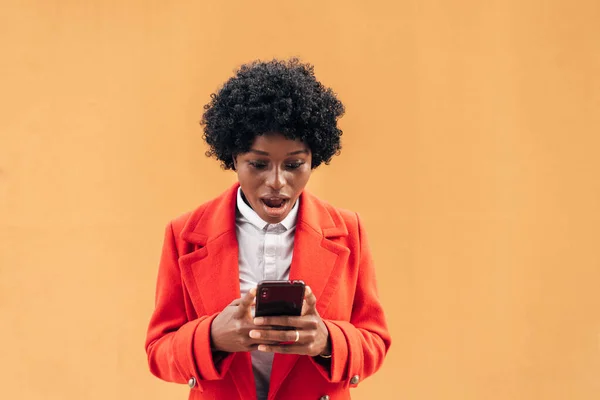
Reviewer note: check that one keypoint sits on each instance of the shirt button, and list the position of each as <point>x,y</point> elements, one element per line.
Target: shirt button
<point>192,382</point>
<point>326,397</point>
<point>355,379</point>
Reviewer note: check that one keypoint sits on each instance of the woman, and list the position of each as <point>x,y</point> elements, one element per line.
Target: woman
<point>272,123</point>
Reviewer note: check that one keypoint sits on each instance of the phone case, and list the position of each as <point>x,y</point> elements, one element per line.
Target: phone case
<point>274,298</point>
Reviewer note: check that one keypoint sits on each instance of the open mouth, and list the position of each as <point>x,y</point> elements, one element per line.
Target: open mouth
<point>275,206</point>
<point>274,203</point>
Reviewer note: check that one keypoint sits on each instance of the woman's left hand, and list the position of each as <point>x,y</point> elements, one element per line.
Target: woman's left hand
<point>305,335</point>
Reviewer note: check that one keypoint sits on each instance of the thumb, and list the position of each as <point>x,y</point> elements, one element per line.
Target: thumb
<point>310,302</point>
<point>245,304</point>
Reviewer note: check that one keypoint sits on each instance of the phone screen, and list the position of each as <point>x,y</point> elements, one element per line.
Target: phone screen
<point>274,298</point>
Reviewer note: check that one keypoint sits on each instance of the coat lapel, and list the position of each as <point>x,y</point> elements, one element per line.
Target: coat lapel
<point>210,272</point>
<point>318,260</point>
<point>318,255</point>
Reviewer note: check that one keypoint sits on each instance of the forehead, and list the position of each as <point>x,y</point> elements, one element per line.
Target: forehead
<point>275,143</point>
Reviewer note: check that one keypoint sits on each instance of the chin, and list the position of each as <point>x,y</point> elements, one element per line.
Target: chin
<point>273,220</point>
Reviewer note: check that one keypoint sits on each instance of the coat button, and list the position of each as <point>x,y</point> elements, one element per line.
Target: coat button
<point>192,382</point>
<point>355,379</point>
<point>326,397</point>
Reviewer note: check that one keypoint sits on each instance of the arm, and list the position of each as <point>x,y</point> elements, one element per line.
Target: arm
<point>358,346</point>
<point>179,349</point>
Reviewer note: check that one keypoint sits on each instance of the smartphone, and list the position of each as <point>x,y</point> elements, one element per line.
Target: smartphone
<point>274,298</point>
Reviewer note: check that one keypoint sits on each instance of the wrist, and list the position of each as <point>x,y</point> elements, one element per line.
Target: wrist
<point>326,352</point>
<point>214,347</point>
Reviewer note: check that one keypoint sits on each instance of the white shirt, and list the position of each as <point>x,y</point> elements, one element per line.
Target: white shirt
<point>265,252</point>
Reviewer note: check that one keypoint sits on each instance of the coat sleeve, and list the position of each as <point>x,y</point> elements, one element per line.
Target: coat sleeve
<point>179,349</point>
<point>358,346</point>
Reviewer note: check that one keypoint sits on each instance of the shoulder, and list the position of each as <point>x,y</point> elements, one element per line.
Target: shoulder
<point>341,217</point>
<point>178,223</point>
<point>208,217</point>
<point>350,218</point>
<point>352,221</point>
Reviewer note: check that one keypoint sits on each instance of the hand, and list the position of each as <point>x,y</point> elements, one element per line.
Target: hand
<point>229,330</point>
<point>313,336</point>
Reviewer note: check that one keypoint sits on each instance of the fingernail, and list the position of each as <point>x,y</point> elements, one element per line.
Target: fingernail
<point>262,347</point>
<point>254,334</point>
<point>258,321</point>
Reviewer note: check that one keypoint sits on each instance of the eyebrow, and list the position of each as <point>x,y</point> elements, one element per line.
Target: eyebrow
<point>264,153</point>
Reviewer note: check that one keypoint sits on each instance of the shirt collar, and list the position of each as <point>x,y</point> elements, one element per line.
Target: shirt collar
<point>252,217</point>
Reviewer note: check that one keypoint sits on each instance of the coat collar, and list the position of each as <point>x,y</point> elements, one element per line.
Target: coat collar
<point>214,262</point>
<point>218,217</point>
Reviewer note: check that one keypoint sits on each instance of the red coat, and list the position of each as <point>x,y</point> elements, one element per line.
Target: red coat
<point>198,277</point>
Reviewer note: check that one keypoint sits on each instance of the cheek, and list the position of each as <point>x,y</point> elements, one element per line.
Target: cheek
<point>249,180</point>
<point>300,180</point>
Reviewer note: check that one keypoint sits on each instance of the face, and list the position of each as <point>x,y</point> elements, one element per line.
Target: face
<point>272,174</point>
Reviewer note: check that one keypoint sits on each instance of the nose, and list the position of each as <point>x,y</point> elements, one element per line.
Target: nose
<point>275,179</point>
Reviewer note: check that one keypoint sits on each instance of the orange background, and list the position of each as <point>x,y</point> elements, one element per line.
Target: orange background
<point>471,147</point>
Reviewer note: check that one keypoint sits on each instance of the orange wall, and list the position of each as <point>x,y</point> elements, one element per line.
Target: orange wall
<point>471,146</point>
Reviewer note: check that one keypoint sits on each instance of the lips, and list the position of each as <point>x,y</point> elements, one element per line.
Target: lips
<point>275,207</point>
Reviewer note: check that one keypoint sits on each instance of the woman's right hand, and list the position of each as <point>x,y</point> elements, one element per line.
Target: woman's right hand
<point>229,330</point>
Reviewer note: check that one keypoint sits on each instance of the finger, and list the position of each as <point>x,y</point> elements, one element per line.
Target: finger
<point>279,337</point>
<point>301,323</point>
<point>285,349</point>
<point>309,305</point>
<point>252,347</point>
<point>257,342</point>
<point>245,304</point>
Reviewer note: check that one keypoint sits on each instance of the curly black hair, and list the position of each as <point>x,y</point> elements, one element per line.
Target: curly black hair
<point>272,97</point>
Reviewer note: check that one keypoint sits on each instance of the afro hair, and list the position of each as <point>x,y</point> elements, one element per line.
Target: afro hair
<point>272,97</point>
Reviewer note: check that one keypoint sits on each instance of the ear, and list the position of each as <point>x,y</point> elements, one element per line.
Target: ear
<point>234,162</point>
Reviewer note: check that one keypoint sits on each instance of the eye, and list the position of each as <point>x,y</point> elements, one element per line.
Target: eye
<point>260,165</point>
<point>294,165</point>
